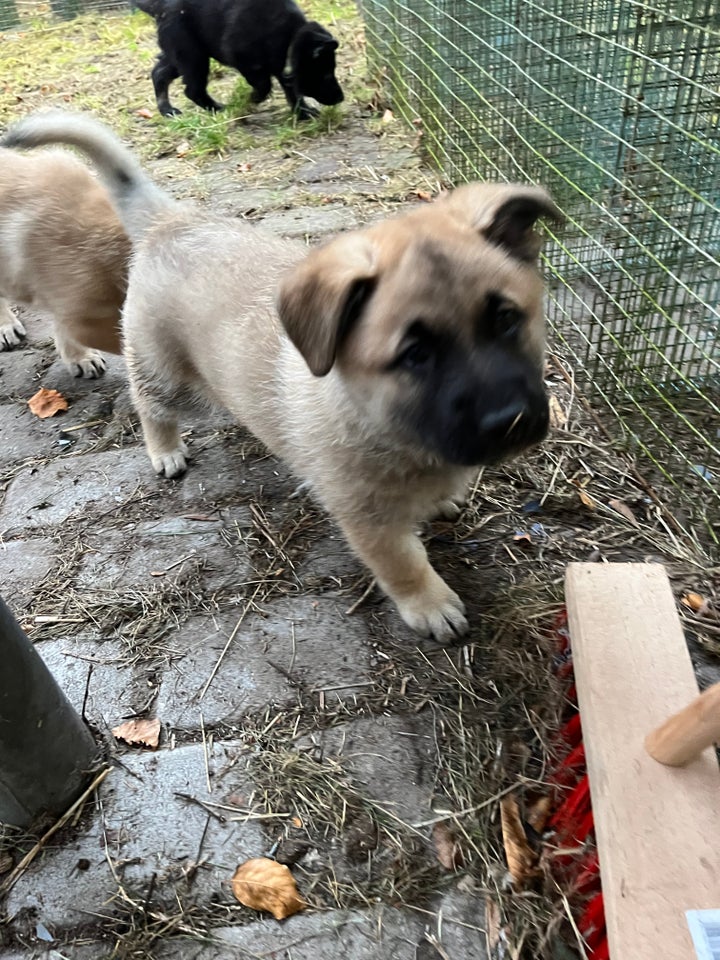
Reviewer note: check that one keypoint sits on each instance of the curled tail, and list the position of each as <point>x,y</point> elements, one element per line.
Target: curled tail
<point>137,199</point>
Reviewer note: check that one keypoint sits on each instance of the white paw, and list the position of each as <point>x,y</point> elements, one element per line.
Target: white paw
<point>171,464</point>
<point>11,333</point>
<point>91,366</point>
<point>437,613</point>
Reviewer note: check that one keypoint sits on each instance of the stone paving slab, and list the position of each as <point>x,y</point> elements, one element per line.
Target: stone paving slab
<point>144,829</point>
<point>300,644</point>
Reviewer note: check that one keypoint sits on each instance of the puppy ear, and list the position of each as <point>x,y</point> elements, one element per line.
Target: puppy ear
<point>505,214</point>
<point>320,300</point>
<point>323,43</point>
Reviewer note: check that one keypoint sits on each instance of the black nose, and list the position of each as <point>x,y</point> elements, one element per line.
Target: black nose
<point>504,421</point>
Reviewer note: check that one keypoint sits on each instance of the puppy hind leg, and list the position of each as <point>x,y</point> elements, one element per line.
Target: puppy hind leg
<point>12,331</point>
<point>399,561</point>
<point>168,454</point>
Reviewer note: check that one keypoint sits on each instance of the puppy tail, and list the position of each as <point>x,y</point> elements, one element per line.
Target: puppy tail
<point>137,199</point>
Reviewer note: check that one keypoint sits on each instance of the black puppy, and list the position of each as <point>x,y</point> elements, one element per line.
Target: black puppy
<point>259,38</point>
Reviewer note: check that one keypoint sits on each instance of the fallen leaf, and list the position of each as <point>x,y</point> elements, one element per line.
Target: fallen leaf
<point>447,847</point>
<point>587,499</point>
<point>388,117</point>
<point>538,813</point>
<point>183,149</point>
<point>297,822</point>
<point>424,195</point>
<point>558,419</point>
<point>46,403</point>
<point>492,924</point>
<point>145,732</point>
<point>694,601</point>
<point>521,858</point>
<point>264,884</point>
<point>625,510</point>
<point>144,113</point>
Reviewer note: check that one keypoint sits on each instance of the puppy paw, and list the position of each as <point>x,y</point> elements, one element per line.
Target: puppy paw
<point>305,112</point>
<point>91,366</point>
<point>437,613</point>
<point>12,333</point>
<point>172,463</point>
<point>448,509</point>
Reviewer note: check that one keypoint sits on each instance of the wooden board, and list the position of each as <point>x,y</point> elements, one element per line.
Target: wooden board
<point>657,827</point>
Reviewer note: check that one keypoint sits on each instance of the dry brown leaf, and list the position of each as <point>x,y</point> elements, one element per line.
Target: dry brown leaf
<point>522,859</point>
<point>587,499</point>
<point>693,600</point>
<point>297,822</point>
<point>144,113</point>
<point>424,195</point>
<point>144,732</point>
<point>447,847</point>
<point>558,419</point>
<point>539,812</point>
<point>520,536</point>
<point>492,924</point>
<point>264,884</point>
<point>46,403</point>
<point>625,510</point>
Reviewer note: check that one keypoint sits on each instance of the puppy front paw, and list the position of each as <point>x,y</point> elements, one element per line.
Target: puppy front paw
<point>437,612</point>
<point>91,366</point>
<point>448,509</point>
<point>172,463</point>
<point>12,333</point>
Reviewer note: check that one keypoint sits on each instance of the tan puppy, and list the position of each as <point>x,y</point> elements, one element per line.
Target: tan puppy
<point>63,251</point>
<point>392,361</point>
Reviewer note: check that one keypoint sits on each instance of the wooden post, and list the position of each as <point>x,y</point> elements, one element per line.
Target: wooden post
<point>47,754</point>
<point>685,735</point>
<point>657,827</point>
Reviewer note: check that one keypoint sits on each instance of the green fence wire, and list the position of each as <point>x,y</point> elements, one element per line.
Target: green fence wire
<point>613,105</point>
<point>24,13</point>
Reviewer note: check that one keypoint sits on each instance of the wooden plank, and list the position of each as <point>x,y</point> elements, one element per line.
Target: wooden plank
<point>657,827</point>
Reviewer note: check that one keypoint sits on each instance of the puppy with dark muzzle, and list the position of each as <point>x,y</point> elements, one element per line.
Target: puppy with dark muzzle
<point>383,367</point>
<point>259,38</point>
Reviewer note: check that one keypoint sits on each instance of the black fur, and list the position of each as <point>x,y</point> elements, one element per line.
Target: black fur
<point>259,38</point>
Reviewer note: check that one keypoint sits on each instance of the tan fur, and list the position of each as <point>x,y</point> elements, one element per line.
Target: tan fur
<point>63,251</point>
<point>201,323</point>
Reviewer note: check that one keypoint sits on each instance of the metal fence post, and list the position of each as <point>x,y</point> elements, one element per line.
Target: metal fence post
<point>46,751</point>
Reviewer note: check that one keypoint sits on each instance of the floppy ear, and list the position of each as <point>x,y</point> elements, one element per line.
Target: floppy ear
<point>321,298</point>
<point>505,214</point>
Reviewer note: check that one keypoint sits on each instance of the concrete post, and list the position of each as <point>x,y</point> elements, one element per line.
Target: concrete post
<point>46,751</point>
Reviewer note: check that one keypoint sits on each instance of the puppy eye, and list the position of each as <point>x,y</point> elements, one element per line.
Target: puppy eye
<point>506,321</point>
<point>509,321</point>
<point>418,351</point>
<point>415,356</point>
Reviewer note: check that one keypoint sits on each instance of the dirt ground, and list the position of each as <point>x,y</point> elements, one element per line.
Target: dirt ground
<point>297,714</point>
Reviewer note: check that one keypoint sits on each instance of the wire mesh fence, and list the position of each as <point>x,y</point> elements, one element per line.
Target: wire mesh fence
<point>614,105</point>
<point>24,13</point>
